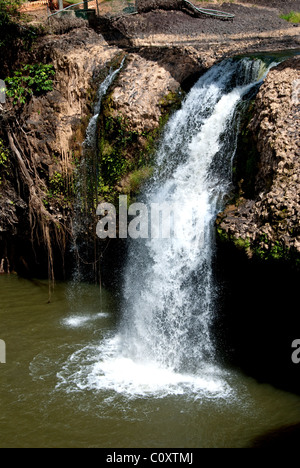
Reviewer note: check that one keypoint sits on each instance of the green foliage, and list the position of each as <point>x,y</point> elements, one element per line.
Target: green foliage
<point>115,138</point>
<point>60,191</point>
<point>4,160</point>
<point>262,249</point>
<point>172,101</point>
<point>292,17</point>
<point>57,184</point>
<point>267,250</point>
<point>242,244</point>
<point>125,156</point>
<point>136,179</point>
<point>9,10</point>
<point>30,80</point>
<point>222,235</point>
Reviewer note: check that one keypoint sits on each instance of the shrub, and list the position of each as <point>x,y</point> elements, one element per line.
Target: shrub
<point>30,80</point>
<point>8,14</point>
<point>137,178</point>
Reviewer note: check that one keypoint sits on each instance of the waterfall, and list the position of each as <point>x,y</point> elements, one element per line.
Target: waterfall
<point>169,286</point>
<point>91,133</point>
<point>164,343</point>
<point>87,191</point>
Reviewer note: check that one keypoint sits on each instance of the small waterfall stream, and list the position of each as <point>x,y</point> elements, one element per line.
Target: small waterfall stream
<point>87,192</point>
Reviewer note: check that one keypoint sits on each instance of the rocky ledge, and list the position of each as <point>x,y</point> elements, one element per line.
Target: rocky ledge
<point>266,225</point>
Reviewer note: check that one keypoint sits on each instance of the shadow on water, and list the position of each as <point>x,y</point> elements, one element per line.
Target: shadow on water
<point>283,437</point>
<point>257,320</point>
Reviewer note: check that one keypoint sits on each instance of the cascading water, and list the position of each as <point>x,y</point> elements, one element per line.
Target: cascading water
<point>87,189</point>
<point>169,286</point>
<point>91,133</point>
<point>164,342</point>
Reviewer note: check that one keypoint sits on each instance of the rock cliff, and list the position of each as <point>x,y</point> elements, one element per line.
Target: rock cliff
<point>267,224</point>
<point>45,139</point>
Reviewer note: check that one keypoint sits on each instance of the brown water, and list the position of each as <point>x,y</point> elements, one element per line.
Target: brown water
<point>53,396</point>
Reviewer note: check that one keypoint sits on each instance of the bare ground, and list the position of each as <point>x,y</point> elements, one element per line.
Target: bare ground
<point>257,26</point>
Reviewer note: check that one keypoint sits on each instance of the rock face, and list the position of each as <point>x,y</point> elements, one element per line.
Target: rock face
<point>78,58</point>
<point>267,225</point>
<point>140,92</point>
<point>49,131</point>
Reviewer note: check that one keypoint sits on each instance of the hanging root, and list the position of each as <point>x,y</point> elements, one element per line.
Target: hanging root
<point>42,223</point>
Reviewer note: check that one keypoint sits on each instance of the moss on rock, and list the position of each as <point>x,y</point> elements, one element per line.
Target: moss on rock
<point>125,155</point>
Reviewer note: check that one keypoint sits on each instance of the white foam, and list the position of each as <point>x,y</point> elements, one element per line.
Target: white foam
<point>102,368</point>
<point>123,375</point>
<point>77,321</point>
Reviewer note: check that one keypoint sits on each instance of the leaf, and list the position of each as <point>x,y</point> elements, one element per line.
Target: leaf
<point>31,79</point>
